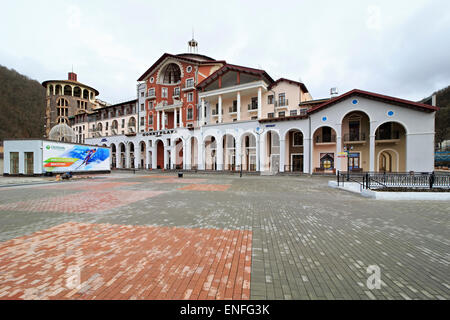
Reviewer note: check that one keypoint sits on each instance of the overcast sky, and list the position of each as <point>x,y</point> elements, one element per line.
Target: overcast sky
<point>398,48</point>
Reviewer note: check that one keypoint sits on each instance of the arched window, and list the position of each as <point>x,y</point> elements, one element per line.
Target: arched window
<point>67,90</point>
<point>77,92</point>
<point>62,102</point>
<point>85,94</point>
<point>171,74</point>
<point>132,122</point>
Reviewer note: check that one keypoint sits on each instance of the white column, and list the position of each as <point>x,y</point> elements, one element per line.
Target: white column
<point>173,154</point>
<point>202,110</point>
<point>260,153</point>
<point>219,154</point>
<point>282,154</point>
<point>187,154</point>
<point>372,146</point>
<point>238,106</point>
<point>154,157</point>
<point>127,156</point>
<point>158,121</point>
<point>337,159</point>
<point>163,120</point>
<point>148,160</point>
<point>372,153</point>
<point>306,155</point>
<point>220,108</point>
<point>200,155</point>
<point>166,156</point>
<point>259,103</point>
<point>181,118</point>
<point>175,118</point>
<point>238,153</point>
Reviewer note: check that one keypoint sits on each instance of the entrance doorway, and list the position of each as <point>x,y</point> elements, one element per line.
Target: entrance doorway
<point>29,163</point>
<point>14,163</point>
<point>353,161</point>
<point>297,162</point>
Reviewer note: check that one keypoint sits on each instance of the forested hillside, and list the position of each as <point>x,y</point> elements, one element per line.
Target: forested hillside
<point>443,115</point>
<point>22,106</point>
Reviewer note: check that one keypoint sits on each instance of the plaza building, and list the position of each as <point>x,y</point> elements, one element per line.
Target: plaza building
<point>195,112</point>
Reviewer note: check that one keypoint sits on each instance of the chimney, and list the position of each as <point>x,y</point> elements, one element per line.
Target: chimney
<point>72,76</point>
<point>433,100</point>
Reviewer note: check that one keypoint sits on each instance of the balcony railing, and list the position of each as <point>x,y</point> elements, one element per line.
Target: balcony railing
<point>150,95</point>
<point>395,135</point>
<point>281,103</point>
<point>188,86</point>
<point>355,137</point>
<point>252,106</point>
<point>325,139</point>
<point>215,112</point>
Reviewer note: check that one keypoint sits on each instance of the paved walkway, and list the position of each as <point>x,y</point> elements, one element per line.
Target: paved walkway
<point>154,236</point>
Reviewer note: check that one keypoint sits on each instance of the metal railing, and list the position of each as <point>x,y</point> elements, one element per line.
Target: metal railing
<point>355,137</point>
<point>395,135</point>
<point>324,139</point>
<point>386,180</point>
<point>282,103</point>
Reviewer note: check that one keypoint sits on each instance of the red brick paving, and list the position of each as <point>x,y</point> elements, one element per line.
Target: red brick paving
<point>126,262</point>
<point>178,180</point>
<point>83,202</point>
<point>89,185</point>
<point>206,187</point>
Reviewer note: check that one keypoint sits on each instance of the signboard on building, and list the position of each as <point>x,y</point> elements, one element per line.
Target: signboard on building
<point>66,157</point>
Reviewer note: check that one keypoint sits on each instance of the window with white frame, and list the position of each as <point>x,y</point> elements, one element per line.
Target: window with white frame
<point>142,107</point>
<point>150,105</point>
<point>176,92</point>
<point>190,114</point>
<point>151,92</point>
<point>142,121</point>
<point>189,83</point>
<point>190,97</point>
<point>164,93</point>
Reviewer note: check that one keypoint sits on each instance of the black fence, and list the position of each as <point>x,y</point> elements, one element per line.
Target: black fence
<point>386,180</point>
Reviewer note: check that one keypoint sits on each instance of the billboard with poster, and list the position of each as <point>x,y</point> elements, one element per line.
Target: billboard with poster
<point>66,157</point>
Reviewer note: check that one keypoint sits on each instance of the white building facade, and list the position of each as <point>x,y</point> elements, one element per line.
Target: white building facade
<point>230,118</point>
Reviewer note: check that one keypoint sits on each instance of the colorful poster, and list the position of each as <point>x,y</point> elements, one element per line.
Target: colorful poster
<point>65,157</point>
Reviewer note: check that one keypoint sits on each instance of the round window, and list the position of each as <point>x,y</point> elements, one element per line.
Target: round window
<point>188,69</point>
<point>152,80</point>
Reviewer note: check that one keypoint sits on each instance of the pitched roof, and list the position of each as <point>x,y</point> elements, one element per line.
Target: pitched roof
<point>377,97</point>
<point>232,67</point>
<point>180,57</point>
<point>300,84</point>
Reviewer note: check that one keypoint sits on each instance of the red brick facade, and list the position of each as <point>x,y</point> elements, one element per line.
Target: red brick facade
<point>198,71</point>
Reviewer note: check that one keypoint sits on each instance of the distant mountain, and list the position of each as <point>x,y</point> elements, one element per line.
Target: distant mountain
<point>22,106</point>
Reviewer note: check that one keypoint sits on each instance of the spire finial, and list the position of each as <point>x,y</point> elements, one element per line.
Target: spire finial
<point>192,44</point>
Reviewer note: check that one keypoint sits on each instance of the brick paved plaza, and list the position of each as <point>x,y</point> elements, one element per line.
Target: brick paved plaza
<point>205,236</point>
